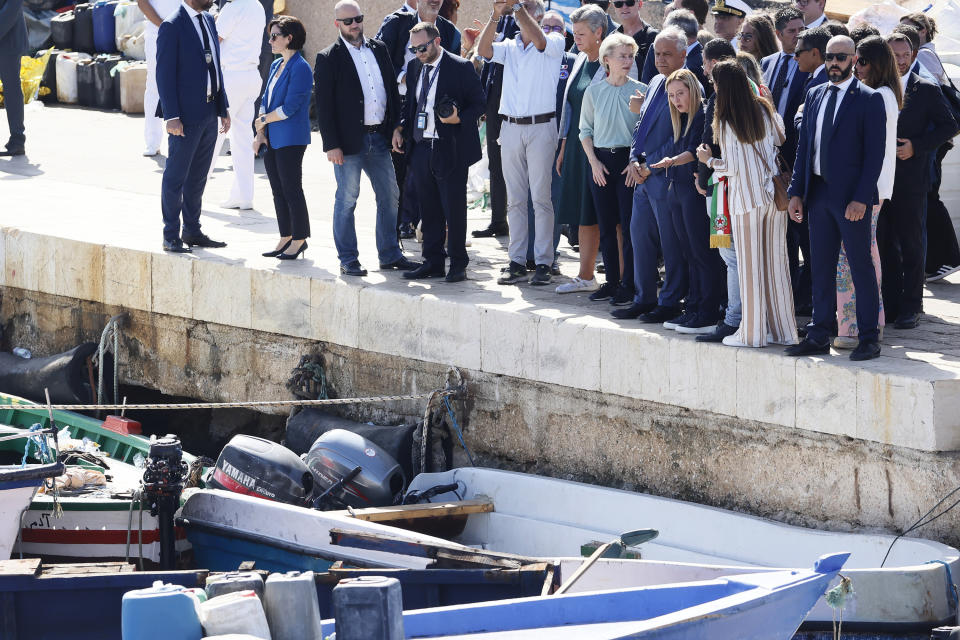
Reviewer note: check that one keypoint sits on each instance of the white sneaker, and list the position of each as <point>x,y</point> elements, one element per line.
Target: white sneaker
<point>149,153</point>
<point>235,204</point>
<point>942,273</point>
<point>734,341</point>
<point>578,284</point>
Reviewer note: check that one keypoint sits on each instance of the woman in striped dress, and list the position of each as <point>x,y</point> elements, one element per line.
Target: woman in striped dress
<point>748,131</point>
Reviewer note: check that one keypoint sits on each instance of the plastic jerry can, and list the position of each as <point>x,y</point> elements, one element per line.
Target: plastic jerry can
<point>67,76</point>
<point>127,21</point>
<point>292,609</point>
<point>133,83</point>
<point>104,27</point>
<point>61,30</point>
<point>368,607</point>
<point>237,612</point>
<point>83,28</point>
<point>161,612</point>
<point>86,89</point>
<point>104,83</point>
<point>49,80</point>
<point>236,581</point>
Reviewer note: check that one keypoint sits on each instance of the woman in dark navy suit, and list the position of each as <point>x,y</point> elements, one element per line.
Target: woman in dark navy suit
<point>284,126</point>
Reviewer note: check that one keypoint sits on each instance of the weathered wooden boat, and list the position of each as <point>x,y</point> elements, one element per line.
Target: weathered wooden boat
<point>76,601</point>
<point>552,518</point>
<point>754,606</point>
<point>18,486</point>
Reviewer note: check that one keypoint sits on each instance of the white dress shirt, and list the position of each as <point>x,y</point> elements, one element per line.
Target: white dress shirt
<point>210,37</point>
<point>270,87</point>
<point>406,8</point>
<point>816,23</point>
<point>163,8</point>
<point>791,62</point>
<point>842,91</point>
<point>431,129</point>
<point>371,81</point>
<point>530,76</point>
<point>241,24</point>
<point>888,170</point>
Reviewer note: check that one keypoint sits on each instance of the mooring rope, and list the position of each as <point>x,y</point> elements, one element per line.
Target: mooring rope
<point>232,405</point>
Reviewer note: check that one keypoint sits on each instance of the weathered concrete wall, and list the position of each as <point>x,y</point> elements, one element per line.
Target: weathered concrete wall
<point>805,478</point>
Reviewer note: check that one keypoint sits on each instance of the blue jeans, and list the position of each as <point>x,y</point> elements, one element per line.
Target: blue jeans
<point>376,162</point>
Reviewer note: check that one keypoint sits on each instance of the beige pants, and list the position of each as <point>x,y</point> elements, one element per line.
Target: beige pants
<point>765,292</point>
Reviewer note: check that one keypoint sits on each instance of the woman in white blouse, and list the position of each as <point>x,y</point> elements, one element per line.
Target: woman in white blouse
<point>749,130</point>
<point>876,68</point>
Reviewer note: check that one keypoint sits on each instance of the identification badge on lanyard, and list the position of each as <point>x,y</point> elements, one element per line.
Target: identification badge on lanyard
<point>208,56</point>
<point>422,120</point>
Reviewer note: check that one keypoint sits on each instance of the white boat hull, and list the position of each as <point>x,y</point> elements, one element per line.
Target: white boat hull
<point>12,503</point>
<point>542,516</point>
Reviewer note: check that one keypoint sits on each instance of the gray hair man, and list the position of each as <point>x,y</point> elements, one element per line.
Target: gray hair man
<point>528,137</point>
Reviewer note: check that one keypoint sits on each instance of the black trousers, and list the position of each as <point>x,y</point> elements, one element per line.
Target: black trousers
<point>798,243</point>
<point>498,188</point>
<point>285,170</point>
<point>442,191</point>
<point>900,241</point>
<point>942,247</point>
<point>614,205</point>
<point>10,78</point>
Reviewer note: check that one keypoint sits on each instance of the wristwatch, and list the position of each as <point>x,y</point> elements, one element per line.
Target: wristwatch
<point>263,119</point>
<point>517,6</point>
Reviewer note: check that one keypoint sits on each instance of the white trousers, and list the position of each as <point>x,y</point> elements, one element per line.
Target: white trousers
<point>153,128</point>
<point>243,89</point>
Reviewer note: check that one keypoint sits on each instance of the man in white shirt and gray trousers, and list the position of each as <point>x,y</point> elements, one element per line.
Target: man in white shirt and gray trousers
<point>240,24</point>
<point>528,137</point>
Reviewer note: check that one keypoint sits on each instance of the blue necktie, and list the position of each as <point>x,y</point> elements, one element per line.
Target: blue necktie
<point>646,123</point>
<point>826,131</point>
<point>780,82</point>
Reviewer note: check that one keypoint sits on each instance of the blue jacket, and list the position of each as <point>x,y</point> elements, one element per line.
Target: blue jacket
<point>659,142</point>
<point>856,148</point>
<point>13,30</point>
<point>292,92</point>
<point>181,72</point>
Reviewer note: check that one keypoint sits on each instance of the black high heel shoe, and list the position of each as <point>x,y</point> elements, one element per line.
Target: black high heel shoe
<point>294,256</point>
<point>276,252</point>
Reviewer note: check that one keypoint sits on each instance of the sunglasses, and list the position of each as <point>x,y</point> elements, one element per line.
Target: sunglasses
<point>839,57</point>
<point>619,4</point>
<point>419,49</point>
<point>862,63</point>
<point>796,54</point>
<point>549,29</point>
<point>746,37</point>
<point>350,21</point>
<point>274,36</point>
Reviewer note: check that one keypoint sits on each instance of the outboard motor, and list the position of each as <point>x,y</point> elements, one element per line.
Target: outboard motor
<point>163,481</point>
<point>334,458</point>
<point>264,469</point>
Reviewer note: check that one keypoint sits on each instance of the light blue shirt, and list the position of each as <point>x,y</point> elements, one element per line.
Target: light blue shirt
<point>605,114</point>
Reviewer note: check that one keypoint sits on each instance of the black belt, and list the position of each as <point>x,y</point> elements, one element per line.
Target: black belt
<point>540,119</point>
<point>613,149</point>
<point>373,128</point>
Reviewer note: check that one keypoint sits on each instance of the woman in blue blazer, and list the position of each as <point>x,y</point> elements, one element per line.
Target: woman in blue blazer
<point>284,126</point>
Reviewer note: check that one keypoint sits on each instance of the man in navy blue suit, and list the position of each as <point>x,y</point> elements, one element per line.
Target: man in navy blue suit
<point>190,83</point>
<point>13,43</point>
<point>839,157</point>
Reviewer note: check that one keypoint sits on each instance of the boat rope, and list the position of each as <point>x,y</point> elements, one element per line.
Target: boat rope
<point>137,497</point>
<point>456,427</point>
<point>111,330</point>
<point>951,586</point>
<point>247,404</point>
<point>924,520</point>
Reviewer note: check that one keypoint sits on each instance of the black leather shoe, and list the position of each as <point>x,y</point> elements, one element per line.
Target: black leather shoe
<point>400,265</point>
<point>456,275</point>
<point>175,247</point>
<point>632,312</point>
<point>492,231</point>
<point>407,231</point>
<point>353,269</point>
<point>910,321</point>
<point>807,348</point>
<point>203,240</point>
<point>659,315</point>
<point>722,331</point>
<point>424,271</point>
<point>866,351</point>
<point>16,151</point>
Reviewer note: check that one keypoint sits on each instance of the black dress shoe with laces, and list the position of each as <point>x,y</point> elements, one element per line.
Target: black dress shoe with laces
<point>424,271</point>
<point>492,231</point>
<point>353,269</point>
<point>15,151</point>
<point>909,321</point>
<point>660,314</point>
<point>866,351</point>
<point>632,312</point>
<point>456,275</point>
<point>176,247</point>
<point>401,264</point>
<point>808,348</point>
<point>204,241</point>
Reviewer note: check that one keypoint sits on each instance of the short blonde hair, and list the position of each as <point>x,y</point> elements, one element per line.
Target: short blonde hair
<point>685,77</point>
<point>615,41</point>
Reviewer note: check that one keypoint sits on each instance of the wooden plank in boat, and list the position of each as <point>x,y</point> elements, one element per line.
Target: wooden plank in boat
<point>20,567</point>
<point>87,568</point>
<point>430,510</point>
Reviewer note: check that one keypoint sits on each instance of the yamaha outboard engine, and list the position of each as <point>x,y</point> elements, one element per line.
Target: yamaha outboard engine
<point>264,469</point>
<point>334,459</point>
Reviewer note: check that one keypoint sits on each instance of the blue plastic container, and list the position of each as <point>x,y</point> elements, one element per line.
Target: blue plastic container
<point>105,26</point>
<point>162,612</point>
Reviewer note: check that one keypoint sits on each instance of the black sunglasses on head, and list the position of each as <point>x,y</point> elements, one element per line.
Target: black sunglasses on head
<point>419,49</point>
<point>624,3</point>
<point>797,52</point>
<point>839,57</point>
<point>350,21</point>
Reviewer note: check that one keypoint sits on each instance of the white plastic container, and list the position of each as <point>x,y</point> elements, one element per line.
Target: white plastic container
<point>237,612</point>
<point>292,608</point>
<point>67,76</point>
<point>128,20</point>
<point>133,82</point>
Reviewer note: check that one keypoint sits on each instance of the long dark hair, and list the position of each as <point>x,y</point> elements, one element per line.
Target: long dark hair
<point>883,66</point>
<point>765,34</point>
<point>738,106</point>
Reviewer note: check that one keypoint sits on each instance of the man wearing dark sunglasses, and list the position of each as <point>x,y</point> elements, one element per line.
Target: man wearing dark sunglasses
<point>839,158</point>
<point>628,11</point>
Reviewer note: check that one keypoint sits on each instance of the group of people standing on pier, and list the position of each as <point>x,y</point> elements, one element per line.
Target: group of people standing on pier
<point>783,166</point>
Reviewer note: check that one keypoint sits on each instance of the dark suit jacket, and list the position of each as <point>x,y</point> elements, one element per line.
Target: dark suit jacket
<point>644,40</point>
<point>340,97</point>
<point>703,171</point>
<point>181,70</point>
<point>815,81</point>
<point>566,69</point>
<point>926,120</point>
<point>694,63</point>
<point>659,140</point>
<point>770,66</point>
<point>458,80</point>
<point>395,33</point>
<point>13,30</point>
<point>856,148</point>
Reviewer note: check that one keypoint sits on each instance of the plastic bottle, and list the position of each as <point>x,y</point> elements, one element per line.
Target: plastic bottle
<point>23,353</point>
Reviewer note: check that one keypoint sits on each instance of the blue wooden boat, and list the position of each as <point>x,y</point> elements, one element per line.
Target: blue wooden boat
<point>755,606</point>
